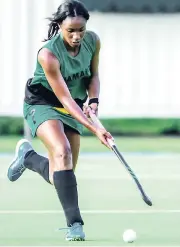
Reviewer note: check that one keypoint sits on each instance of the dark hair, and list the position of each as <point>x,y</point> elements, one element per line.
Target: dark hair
<point>70,8</point>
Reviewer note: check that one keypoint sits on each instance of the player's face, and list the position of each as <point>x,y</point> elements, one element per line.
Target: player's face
<point>73,30</point>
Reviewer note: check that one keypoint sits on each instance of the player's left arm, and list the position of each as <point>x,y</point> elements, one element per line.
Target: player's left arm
<point>94,85</point>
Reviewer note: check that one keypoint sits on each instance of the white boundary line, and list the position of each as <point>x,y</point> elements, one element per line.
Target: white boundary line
<point>156,211</point>
<point>88,245</point>
<point>120,177</point>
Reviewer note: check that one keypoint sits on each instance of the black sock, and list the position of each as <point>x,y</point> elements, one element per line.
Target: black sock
<point>66,187</point>
<point>37,163</point>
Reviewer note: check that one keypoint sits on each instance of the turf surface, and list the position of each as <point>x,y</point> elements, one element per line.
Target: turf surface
<point>30,212</point>
<point>92,144</point>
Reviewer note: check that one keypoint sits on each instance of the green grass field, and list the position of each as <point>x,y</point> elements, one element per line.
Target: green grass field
<point>30,213</point>
<point>91,144</point>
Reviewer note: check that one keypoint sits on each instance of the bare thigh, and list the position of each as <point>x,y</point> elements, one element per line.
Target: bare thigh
<point>74,140</point>
<point>51,133</point>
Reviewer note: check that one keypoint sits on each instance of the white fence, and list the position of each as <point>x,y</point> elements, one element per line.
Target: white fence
<point>139,62</point>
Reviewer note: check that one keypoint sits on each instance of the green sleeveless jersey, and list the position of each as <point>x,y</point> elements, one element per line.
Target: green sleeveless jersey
<point>75,70</point>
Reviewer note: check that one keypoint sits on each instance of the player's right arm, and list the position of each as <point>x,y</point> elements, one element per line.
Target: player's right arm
<point>51,67</point>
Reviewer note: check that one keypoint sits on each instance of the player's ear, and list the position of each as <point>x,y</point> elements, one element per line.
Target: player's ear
<point>59,25</point>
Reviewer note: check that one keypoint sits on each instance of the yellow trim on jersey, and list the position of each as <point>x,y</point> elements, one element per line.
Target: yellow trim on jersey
<point>61,110</point>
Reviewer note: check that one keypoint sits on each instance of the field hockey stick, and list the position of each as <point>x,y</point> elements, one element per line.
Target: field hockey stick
<point>122,160</point>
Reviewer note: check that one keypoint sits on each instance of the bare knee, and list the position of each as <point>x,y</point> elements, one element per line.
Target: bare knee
<point>61,158</point>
